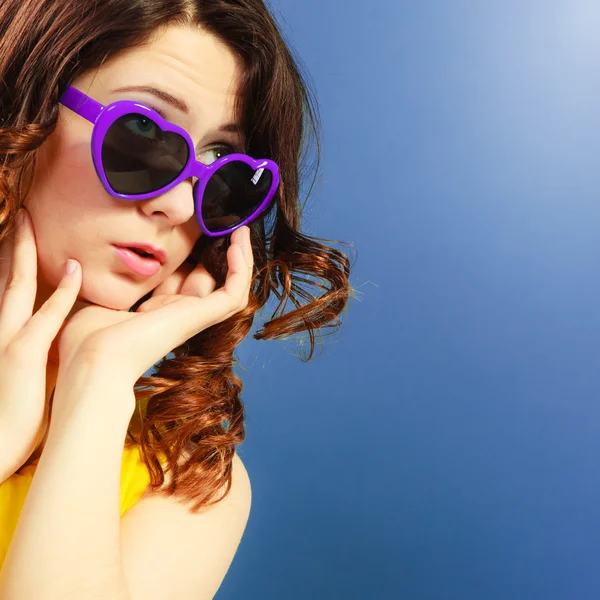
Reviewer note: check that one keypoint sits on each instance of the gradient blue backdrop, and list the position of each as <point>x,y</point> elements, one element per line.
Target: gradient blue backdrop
<point>445,443</point>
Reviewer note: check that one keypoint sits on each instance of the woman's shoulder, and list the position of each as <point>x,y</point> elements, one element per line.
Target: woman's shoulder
<point>239,475</point>
<point>233,507</point>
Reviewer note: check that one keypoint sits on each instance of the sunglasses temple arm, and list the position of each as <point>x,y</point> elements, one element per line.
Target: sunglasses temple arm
<point>81,104</point>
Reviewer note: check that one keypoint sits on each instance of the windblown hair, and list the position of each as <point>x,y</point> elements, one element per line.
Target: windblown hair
<point>190,408</point>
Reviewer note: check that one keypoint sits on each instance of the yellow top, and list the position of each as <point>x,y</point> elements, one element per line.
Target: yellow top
<point>134,481</point>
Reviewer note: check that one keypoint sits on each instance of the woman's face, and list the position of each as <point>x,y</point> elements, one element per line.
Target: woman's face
<point>74,217</point>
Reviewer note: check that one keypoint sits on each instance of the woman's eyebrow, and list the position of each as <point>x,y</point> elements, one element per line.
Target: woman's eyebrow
<point>173,101</point>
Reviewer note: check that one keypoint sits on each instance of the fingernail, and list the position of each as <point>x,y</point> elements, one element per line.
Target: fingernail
<point>71,266</point>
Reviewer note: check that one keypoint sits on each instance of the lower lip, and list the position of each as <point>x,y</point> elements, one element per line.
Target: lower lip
<point>138,264</point>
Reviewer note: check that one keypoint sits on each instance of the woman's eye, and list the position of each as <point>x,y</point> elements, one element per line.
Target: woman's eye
<point>142,126</point>
<point>215,153</point>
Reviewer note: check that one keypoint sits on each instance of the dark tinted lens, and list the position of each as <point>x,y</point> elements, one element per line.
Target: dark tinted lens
<point>232,193</point>
<point>138,157</point>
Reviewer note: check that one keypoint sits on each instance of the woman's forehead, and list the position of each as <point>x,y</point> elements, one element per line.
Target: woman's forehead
<point>187,72</point>
<point>193,53</point>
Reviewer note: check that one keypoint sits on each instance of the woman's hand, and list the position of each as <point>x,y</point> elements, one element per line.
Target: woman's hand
<point>25,342</point>
<point>125,345</point>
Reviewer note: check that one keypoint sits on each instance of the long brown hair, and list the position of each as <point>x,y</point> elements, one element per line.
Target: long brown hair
<point>191,406</point>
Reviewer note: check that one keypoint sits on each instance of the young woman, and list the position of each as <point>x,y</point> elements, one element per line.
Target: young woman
<point>174,128</point>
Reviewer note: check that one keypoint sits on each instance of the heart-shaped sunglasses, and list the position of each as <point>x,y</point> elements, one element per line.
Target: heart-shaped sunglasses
<point>138,155</point>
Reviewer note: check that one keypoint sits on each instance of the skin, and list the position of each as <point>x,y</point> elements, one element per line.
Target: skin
<point>72,214</point>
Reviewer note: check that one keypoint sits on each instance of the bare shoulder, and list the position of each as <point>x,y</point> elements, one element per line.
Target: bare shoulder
<point>201,545</point>
<point>240,480</point>
<point>240,491</point>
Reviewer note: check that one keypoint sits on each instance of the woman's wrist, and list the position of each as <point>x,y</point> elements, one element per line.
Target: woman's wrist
<point>88,385</point>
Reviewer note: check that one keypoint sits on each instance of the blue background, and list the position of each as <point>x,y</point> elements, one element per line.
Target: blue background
<point>444,444</point>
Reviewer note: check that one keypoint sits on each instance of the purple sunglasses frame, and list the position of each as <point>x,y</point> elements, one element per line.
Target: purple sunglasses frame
<point>103,117</point>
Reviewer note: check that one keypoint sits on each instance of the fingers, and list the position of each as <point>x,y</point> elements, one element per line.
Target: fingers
<point>163,323</point>
<point>199,283</point>
<point>172,284</point>
<point>196,281</point>
<point>233,296</point>
<point>241,266</point>
<point>187,280</point>
<point>237,277</point>
<point>247,247</point>
<point>21,284</point>
<point>6,252</point>
<point>17,325</point>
